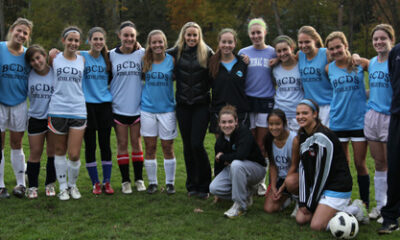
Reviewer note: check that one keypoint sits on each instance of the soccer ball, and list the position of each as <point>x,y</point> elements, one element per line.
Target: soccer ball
<point>343,226</point>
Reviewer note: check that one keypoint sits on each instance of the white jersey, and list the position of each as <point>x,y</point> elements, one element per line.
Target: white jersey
<point>283,156</point>
<point>68,99</point>
<point>40,89</point>
<point>126,84</point>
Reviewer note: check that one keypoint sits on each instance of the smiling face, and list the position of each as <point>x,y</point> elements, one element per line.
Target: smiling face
<point>275,126</point>
<point>283,51</point>
<point>305,116</point>
<point>257,35</point>
<point>381,42</point>
<point>227,43</point>
<point>337,49</point>
<point>192,36</point>
<point>157,44</point>
<point>20,34</point>
<point>127,35</point>
<point>306,43</point>
<point>38,62</point>
<point>72,41</point>
<point>227,124</point>
<point>97,42</point>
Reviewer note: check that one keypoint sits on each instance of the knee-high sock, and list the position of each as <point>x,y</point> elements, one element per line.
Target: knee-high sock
<point>50,171</point>
<point>33,170</point>
<point>61,166</point>
<point>137,161</point>
<point>151,169</point>
<point>18,165</point>
<point>380,180</point>
<point>363,186</point>
<point>123,164</point>
<point>73,172</point>
<point>92,170</point>
<point>2,170</point>
<point>170,168</point>
<point>107,167</point>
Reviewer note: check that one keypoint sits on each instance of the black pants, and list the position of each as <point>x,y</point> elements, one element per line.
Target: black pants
<point>391,211</point>
<point>104,143</point>
<point>193,122</point>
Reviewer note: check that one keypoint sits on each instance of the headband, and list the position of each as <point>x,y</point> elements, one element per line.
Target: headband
<point>308,103</point>
<point>127,24</point>
<point>257,21</point>
<point>73,30</point>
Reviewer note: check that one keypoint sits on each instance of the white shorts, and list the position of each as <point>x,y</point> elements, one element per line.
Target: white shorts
<point>324,114</point>
<point>339,204</point>
<point>258,120</point>
<point>162,125</point>
<point>292,124</point>
<point>14,118</point>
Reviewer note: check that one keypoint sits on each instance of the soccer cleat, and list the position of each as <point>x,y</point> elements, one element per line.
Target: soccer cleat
<point>126,188</point>
<point>63,195</point>
<point>19,191</point>
<point>388,228</point>
<point>50,190</point>
<point>97,189</point>
<point>107,188</point>
<point>32,193</point>
<point>74,192</point>
<point>4,193</point>
<point>362,214</point>
<point>170,189</point>
<point>235,211</point>
<point>140,187</point>
<point>375,213</point>
<point>262,189</point>
<point>152,188</point>
<point>380,220</point>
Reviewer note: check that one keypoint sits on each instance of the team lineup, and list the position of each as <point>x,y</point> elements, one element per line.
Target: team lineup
<point>269,107</point>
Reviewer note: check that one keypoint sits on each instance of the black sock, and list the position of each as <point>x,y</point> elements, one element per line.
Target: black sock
<point>33,169</point>
<point>50,171</point>
<point>363,186</point>
<point>138,170</point>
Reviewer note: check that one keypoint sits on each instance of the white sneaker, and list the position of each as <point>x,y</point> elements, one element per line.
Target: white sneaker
<point>32,193</point>
<point>375,213</point>
<point>362,214</point>
<point>235,211</point>
<point>74,192</point>
<point>296,208</point>
<point>126,188</point>
<point>63,195</point>
<point>50,190</point>
<point>262,189</point>
<point>286,203</point>
<point>140,187</point>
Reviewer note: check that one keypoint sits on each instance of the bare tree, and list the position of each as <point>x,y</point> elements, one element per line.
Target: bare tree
<point>2,23</point>
<point>274,6</point>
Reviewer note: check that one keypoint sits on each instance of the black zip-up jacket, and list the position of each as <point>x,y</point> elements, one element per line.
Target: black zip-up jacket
<point>394,73</point>
<point>228,87</point>
<point>192,80</point>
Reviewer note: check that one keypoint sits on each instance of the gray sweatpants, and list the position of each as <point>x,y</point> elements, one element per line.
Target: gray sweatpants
<point>235,180</point>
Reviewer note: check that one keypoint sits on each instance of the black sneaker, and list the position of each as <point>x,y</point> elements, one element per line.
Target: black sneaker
<point>192,193</point>
<point>152,188</point>
<point>203,195</point>
<point>4,193</point>
<point>388,228</point>
<point>170,189</point>
<point>19,191</point>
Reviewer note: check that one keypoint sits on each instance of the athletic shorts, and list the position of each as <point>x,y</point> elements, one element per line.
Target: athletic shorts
<point>61,126</point>
<point>243,118</point>
<point>324,114</point>
<point>292,124</point>
<point>37,126</point>
<point>258,120</point>
<point>162,125</point>
<point>376,126</point>
<point>14,118</point>
<point>99,115</point>
<point>126,120</point>
<point>261,105</point>
<point>338,203</point>
<point>353,135</point>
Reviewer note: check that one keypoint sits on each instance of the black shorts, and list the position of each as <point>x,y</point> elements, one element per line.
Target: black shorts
<point>353,135</point>
<point>99,115</point>
<point>261,105</point>
<point>243,118</point>
<point>61,126</point>
<point>126,120</point>
<point>279,183</point>
<point>37,126</point>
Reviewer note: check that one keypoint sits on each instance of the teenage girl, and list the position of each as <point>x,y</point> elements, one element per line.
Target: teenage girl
<point>282,149</point>
<point>312,59</point>
<point>40,89</point>
<point>13,106</point>
<point>348,105</point>
<point>244,164</point>
<point>98,105</point>
<point>67,113</point>
<point>289,90</point>
<point>191,56</point>
<point>126,90</point>
<point>158,110</point>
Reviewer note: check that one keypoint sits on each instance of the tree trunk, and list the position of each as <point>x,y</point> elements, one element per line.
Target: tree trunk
<point>340,16</point>
<point>274,6</point>
<point>2,24</point>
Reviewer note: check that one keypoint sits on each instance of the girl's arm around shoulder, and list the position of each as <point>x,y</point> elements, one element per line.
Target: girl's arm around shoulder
<point>243,144</point>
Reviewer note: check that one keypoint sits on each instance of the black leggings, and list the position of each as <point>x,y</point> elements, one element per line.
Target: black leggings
<point>104,142</point>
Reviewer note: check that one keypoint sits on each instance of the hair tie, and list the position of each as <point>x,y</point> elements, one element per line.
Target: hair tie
<point>308,103</point>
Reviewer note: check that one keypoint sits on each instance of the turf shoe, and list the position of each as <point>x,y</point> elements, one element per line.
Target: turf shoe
<point>74,192</point>
<point>388,228</point>
<point>170,189</point>
<point>375,213</point>
<point>50,190</point>
<point>63,195</point>
<point>19,191</point>
<point>235,211</point>
<point>4,193</point>
<point>31,193</point>
<point>152,189</point>
<point>140,187</point>
<point>107,188</point>
<point>362,214</point>
<point>97,189</point>
<point>126,188</point>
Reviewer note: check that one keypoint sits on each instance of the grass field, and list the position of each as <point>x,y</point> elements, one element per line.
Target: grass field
<point>143,216</point>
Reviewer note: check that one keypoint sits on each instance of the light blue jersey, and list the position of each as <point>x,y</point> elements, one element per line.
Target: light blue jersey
<point>283,156</point>
<point>95,79</point>
<point>40,90</point>
<point>14,72</point>
<point>158,91</point>
<point>314,78</point>
<point>380,89</point>
<point>348,104</point>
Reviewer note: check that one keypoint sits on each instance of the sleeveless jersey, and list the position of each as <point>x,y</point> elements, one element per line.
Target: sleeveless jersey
<point>14,72</point>
<point>158,90</point>
<point>314,78</point>
<point>283,156</point>
<point>95,79</point>
<point>126,84</point>
<point>40,89</point>
<point>380,89</point>
<point>348,104</point>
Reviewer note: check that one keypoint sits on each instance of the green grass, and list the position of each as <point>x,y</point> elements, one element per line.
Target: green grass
<point>143,216</point>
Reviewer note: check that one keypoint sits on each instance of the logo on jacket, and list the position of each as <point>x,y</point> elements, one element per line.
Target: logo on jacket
<point>312,152</point>
<point>239,73</point>
<point>234,147</point>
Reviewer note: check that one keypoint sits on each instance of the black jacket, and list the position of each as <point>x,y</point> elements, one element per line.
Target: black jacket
<point>394,73</point>
<point>192,80</point>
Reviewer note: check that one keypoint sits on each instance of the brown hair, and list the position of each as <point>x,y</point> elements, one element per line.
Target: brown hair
<point>228,109</point>
<point>386,28</point>
<point>104,51</point>
<point>148,56</point>
<point>21,21</point>
<point>128,24</point>
<point>215,60</point>
<point>310,31</point>
<point>340,35</point>
<point>32,50</point>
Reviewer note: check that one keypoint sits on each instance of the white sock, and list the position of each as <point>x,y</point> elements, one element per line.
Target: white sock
<point>169,168</point>
<point>151,169</point>
<point>18,165</point>
<point>73,172</point>
<point>2,170</point>
<point>380,180</point>
<point>61,166</point>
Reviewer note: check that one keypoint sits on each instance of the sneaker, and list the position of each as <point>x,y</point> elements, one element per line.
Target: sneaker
<point>140,187</point>
<point>192,194</point>
<point>286,203</point>
<point>262,189</point>
<point>126,188</point>
<point>4,193</point>
<point>374,214</point>
<point>170,189</point>
<point>380,220</point>
<point>296,208</point>
<point>74,192</point>
<point>32,193</point>
<point>203,195</point>
<point>50,190</point>
<point>19,191</point>
<point>107,188</point>
<point>152,188</point>
<point>362,214</point>
<point>97,189</point>
<point>63,195</point>
<point>235,211</point>
<point>388,228</point>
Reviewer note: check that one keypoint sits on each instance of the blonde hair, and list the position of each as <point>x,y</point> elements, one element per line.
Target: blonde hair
<point>202,49</point>
<point>215,60</point>
<point>21,21</point>
<point>258,21</point>
<point>310,31</point>
<point>340,35</point>
<point>387,28</point>
<point>148,56</point>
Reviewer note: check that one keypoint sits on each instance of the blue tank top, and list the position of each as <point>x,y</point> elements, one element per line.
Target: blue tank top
<point>348,104</point>
<point>283,156</point>
<point>95,79</point>
<point>158,90</point>
<point>314,78</point>
<point>380,89</point>
<point>14,72</point>
<point>40,90</point>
